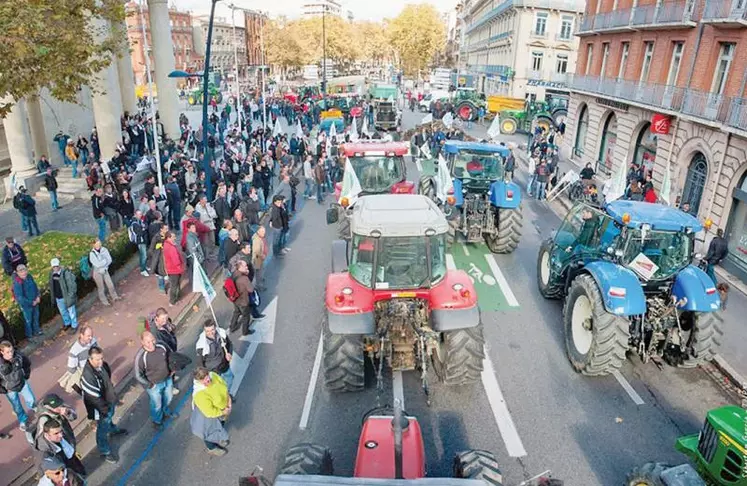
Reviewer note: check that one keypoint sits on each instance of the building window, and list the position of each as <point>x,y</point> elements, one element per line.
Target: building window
<point>566,27</point>
<point>623,59</point>
<point>581,129</point>
<point>605,55</point>
<point>648,55</point>
<point>537,61</point>
<point>607,147</point>
<point>561,66</point>
<point>540,24</point>
<point>674,65</point>
<point>589,55</point>
<point>697,174</point>
<point>722,68</point>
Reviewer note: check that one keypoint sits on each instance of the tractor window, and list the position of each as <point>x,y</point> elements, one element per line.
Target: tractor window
<point>670,251</point>
<point>362,259</point>
<point>477,166</point>
<point>438,257</point>
<point>377,174</point>
<point>401,263</point>
<point>571,228</point>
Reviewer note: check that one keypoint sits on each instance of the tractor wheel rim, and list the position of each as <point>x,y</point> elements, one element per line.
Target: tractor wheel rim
<point>465,111</point>
<point>508,125</point>
<point>545,268</point>
<point>580,318</point>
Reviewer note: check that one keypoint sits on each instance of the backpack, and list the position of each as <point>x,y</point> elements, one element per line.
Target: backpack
<point>85,267</point>
<point>131,233</point>
<point>230,290</point>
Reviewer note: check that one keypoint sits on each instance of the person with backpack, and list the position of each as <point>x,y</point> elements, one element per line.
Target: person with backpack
<point>153,372</point>
<point>27,208</point>
<point>26,293</point>
<point>52,410</point>
<point>101,259</point>
<point>64,294</point>
<point>13,255</point>
<point>138,235</point>
<point>15,371</point>
<point>241,296</point>
<point>17,206</point>
<point>174,264</point>
<point>214,351</point>
<point>50,182</point>
<point>53,441</point>
<point>97,204</point>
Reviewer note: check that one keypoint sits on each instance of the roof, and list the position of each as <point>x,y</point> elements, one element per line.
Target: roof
<point>399,148</point>
<point>659,216</point>
<point>454,146</point>
<point>397,215</point>
<point>311,480</point>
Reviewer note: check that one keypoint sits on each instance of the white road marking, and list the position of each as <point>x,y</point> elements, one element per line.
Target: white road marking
<point>502,416</point>
<point>398,388</point>
<point>502,282</point>
<point>264,329</point>
<point>450,262</point>
<point>312,384</point>
<point>628,388</point>
<point>239,366</point>
<point>466,250</point>
<point>418,165</point>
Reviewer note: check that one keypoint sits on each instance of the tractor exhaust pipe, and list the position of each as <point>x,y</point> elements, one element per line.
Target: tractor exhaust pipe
<point>397,425</point>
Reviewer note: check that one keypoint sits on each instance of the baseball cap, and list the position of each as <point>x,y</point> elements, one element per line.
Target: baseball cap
<point>51,463</point>
<point>51,401</point>
<point>55,262</point>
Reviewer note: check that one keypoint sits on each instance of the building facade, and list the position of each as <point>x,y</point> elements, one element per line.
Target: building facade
<point>318,7</point>
<point>225,37</point>
<point>520,48</point>
<point>185,56</point>
<point>253,25</point>
<point>663,84</point>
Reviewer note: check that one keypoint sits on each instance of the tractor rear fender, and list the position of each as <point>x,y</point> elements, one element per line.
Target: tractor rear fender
<point>339,256</point>
<point>378,461</point>
<point>621,290</point>
<point>349,305</point>
<point>453,302</point>
<point>697,287</point>
<point>505,195</point>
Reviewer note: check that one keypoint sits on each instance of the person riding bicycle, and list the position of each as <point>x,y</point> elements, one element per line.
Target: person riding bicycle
<point>587,175</point>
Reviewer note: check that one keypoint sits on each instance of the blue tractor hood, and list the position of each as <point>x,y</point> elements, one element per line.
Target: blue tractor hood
<point>454,146</point>
<point>659,216</point>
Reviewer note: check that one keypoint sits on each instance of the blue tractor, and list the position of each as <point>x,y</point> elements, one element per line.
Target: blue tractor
<point>629,286</point>
<point>482,204</point>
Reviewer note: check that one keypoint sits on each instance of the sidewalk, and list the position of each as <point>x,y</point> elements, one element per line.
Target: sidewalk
<point>732,357</point>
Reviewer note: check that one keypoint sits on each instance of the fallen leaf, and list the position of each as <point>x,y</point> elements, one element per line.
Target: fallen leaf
<point>195,308</point>
<point>618,420</point>
<point>130,342</point>
<point>27,459</point>
<point>55,368</point>
<point>110,324</point>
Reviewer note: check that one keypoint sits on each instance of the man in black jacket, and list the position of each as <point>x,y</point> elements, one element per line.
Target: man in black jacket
<point>100,400</point>
<point>15,370</point>
<point>279,223</point>
<point>97,204</point>
<point>53,442</point>
<point>214,351</point>
<point>153,372</point>
<point>717,251</point>
<point>141,240</point>
<point>13,255</point>
<point>50,182</point>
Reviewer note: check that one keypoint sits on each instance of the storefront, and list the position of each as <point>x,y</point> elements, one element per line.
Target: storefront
<point>645,148</point>
<point>581,129</point>
<point>736,232</point>
<point>607,146</point>
<point>697,173</point>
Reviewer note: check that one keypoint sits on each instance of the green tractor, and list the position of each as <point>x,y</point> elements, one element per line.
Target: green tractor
<point>717,453</point>
<point>467,103</point>
<point>547,114</point>
<point>195,96</point>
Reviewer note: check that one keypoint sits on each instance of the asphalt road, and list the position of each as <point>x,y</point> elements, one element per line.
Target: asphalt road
<point>533,411</point>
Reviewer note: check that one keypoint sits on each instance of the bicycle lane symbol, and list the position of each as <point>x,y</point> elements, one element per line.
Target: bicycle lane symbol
<point>489,294</point>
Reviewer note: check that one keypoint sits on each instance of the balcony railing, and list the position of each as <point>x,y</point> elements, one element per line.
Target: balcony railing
<point>698,104</point>
<point>565,5</point>
<point>534,73</point>
<point>542,34</point>
<point>559,77</point>
<point>563,37</point>
<point>661,14</point>
<point>486,42</point>
<point>490,69</point>
<point>724,10</point>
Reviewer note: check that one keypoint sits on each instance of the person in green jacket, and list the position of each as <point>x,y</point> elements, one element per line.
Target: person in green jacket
<point>64,294</point>
<point>211,406</point>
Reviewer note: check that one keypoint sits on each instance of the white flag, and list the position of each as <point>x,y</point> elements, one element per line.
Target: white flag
<point>666,186</point>
<point>425,151</point>
<point>617,189</point>
<point>277,129</point>
<point>448,120</point>
<point>351,186</point>
<point>201,283</point>
<point>364,128</point>
<point>332,130</point>
<point>444,183</point>
<point>299,130</point>
<point>494,130</point>
<point>354,130</point>
<point>427,119</point>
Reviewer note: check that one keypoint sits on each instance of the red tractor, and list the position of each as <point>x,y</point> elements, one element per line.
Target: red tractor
<point>392,299</point>
<point>380,168</point>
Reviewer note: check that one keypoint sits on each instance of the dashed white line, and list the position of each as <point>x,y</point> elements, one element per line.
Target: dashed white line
<point>398,389</point>
<point>502,282</point>
<point>628,388</point>
<point>312,384</point>
<point>502,416</point>
<point>450,262</point>
<point>465,249</point>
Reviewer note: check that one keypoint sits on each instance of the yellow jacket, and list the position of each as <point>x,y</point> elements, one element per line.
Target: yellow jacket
<point>70,152</point>
<point>211,399</point>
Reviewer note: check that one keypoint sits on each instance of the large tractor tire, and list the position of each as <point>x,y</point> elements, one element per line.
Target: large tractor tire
<point>344,366</point>
<point>707,338</point>
<point>427,187</point>
<point>549,288</point>
<point>545,122</point>
<point>647,475</point>
<point>458,361</point>
<point>595,340</point>
<point>509,126</point>
<point>478,464</point>
<point>451,233</point>
<point>466,111</point>
<point>508,236</point>
<point>308,459</point>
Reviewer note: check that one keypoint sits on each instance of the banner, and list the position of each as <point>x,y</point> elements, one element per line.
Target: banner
<point>448,120</point>
<point>332,130</point>
<point>364,129</point>
<point>354,130</point>
<point>444,183</point>
<point>299,130</point>
<point>425,151</point>
<point>617,187</point>
<point>427,119</point>
<point>351,186</point>
<point>495,129</point>
<point>201,283</point>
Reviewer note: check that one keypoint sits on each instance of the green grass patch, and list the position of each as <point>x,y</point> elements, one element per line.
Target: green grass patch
<point>69,248</point>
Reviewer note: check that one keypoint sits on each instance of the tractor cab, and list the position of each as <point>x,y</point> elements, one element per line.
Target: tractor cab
<point>380,167</point>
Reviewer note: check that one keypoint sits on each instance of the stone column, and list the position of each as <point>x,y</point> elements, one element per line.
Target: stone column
<point>107,110</point>
<point>163,54</point>
<point>36,123</point>
<point>19,142</point>
<point>126,77</point>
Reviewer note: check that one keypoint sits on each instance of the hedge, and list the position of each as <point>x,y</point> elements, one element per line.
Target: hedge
<point>69,248</point>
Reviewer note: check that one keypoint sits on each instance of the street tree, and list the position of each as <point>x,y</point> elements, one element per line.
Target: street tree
<point>283,44</point>
<point>60,45</point>
<point>417,34</point>
<point>341,45</point>
<point>373,41</point>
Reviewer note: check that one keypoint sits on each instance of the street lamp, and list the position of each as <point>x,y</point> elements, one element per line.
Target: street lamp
<point>150,95</point>
<point>205,82</point>
<point>236,64</point>
<point>324,54</point>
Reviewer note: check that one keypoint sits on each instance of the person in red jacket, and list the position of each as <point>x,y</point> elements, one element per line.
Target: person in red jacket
<point>173,262</point>
<point>650,195</point>
<point>189,217</point>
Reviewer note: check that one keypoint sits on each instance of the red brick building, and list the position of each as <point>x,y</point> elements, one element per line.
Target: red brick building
<point>678,68</point>
<point>253,22</point>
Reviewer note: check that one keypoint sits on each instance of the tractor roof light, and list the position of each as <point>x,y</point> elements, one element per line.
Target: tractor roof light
<point>708,223</point>
<point>344,202</point>
<point>450,200</point>
<point>626,218</point>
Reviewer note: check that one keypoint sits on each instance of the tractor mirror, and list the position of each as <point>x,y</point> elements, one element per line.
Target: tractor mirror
<point>332,216</point>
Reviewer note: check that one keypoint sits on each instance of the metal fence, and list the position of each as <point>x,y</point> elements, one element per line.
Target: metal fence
<point>663,13</point>
<point>724,9</point>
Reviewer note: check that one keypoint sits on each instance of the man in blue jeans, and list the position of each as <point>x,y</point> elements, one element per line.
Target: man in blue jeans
<point>97,204</point>
<point>152,370</point>
<point>15,370</point>
<point>64,294</point>
<point>141,240</point>
<point>100,400</point>
<point>26,293</point>
<point>214,351</point>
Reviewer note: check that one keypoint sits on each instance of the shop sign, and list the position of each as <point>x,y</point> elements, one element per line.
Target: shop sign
<point>546,84</point>
<point>612,104</point>
<point>660,124</point>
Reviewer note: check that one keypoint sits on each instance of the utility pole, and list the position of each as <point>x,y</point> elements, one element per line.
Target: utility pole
<point>150,96</point>
<point>264,73</point>
<point>324,54</point>
<point>205,83</point>
<point>236,66</point>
